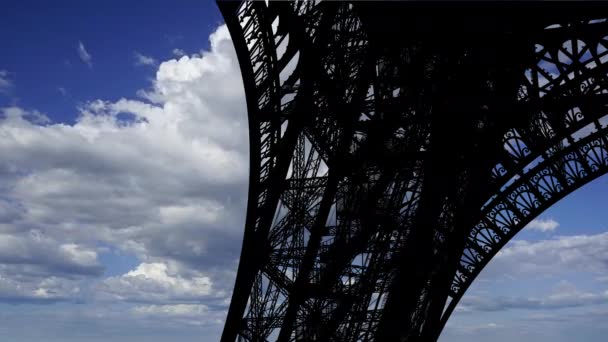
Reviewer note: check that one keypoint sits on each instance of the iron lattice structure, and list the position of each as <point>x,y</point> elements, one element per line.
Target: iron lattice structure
<point>396,148</point>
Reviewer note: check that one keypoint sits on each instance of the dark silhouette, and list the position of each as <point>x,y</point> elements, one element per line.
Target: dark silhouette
<point>396,147</point>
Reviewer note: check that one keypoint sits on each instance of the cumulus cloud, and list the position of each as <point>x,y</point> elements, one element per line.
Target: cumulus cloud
<point>144,60</point>
<point>154,282</point>
<point>163,179</point>
<point>84,55</point>
<point>541,225</point>
<point>5,82</point>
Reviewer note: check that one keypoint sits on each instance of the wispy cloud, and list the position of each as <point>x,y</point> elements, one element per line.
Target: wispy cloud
<point>5,82</point>
<point>552,257</point>
<point>178,52</point>
<point>172,38</point>
<point>84,55</point>
<point>541,225</point>
<point>62,91</point>
<point>144,60</point>
<point>566,295</point>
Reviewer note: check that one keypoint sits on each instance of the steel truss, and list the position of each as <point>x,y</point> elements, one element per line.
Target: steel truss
<point>392,158</point>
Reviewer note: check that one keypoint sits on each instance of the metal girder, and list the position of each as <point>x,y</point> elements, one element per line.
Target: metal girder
<point>392,158</point>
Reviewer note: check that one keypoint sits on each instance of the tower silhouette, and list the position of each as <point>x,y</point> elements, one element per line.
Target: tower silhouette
<point>396,147</point>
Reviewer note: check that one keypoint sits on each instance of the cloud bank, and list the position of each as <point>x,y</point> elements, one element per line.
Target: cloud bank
<point>161,177</point>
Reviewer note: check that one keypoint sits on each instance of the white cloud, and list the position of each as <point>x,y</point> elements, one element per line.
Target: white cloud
<point>62,91</point>
<point>541,225</point>
<point>568,297</point>
<point>84,55</point>
<point>172,310</point>
<point>178,52</point>
<point>144,60</point>
<point>32,290</point>
<point>475,328</point>
<point>580,253</point>
<point>35,267</point>
<point>35,249</point>
<point>190,314</point>
<point>18,115</point>
<point>5,82</point>
<point>154,282</point>
<point>163,179</point>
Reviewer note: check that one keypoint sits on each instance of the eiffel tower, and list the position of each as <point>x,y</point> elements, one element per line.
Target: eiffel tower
<point>396,147</point>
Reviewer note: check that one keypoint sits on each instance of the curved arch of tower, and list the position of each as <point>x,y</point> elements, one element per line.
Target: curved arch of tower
<point>396,148</point>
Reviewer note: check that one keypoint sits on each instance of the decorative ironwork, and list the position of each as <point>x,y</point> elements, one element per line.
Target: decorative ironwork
<point>391,158</point>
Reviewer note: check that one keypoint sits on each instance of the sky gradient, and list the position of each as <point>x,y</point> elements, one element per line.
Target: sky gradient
<point>123,183</point>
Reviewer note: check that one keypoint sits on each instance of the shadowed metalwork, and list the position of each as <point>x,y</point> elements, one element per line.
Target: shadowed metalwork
<point>396,148</point>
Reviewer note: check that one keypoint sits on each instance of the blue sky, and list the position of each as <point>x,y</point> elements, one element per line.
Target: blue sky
<point>124,176</point>
<point>42,39</point>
